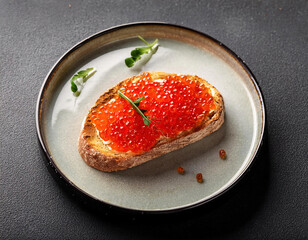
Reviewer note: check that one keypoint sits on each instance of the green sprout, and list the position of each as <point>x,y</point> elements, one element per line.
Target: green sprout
<point>138,52</point>
<point>79,79</point>
<point>135,105</point>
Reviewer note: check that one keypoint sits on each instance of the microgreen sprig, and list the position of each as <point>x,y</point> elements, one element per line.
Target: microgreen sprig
<point>137,52</point>
<point>135,105</point>
<point>79,79</point>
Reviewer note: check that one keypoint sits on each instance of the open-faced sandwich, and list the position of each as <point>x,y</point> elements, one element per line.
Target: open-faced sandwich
<point>146,116</point>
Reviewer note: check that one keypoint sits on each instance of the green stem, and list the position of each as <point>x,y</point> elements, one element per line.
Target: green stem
<point>145,119</point>
<point>149,45</point>
<point>88,76</point>
<point>142,39</point>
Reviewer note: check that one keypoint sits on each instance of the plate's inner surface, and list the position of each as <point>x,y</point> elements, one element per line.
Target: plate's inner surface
<point>155,185</point>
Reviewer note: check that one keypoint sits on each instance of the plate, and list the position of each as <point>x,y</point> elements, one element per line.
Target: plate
<point>155,186</point>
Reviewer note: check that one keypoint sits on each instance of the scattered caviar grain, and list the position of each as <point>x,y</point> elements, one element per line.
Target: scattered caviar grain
<point>222,154</point>
<point>181,170</point>
<point>199,178</point>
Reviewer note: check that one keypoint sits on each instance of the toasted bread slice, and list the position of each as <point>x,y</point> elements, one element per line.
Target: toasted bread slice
<point>97,154</point>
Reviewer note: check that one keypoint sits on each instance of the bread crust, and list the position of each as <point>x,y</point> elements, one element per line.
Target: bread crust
<point>96,154</point>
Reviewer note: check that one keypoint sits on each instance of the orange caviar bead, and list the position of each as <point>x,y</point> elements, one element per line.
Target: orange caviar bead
<point>199,178</point>
<point>181,170</point>
<point>222,154</point>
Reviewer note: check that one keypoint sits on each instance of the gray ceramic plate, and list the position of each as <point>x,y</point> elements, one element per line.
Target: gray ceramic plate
<point>155,186</point>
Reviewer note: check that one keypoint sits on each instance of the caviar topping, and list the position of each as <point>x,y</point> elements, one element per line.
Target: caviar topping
<point>173,104</point>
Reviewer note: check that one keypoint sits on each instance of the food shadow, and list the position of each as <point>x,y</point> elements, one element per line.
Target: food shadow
<point>225,214</point>
<point>171,161</point>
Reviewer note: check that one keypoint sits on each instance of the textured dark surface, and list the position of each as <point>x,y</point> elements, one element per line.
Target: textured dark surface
<point>272,200</point>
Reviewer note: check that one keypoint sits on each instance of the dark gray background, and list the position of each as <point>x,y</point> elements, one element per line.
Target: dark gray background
<point>270,202</point>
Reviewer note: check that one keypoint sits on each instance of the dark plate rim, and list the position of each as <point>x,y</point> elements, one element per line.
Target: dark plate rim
<point>56,172</point>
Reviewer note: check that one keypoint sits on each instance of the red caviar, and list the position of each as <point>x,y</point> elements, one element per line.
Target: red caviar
<point>222,154</point>
<point>181,170</point>
<point>173,105</point>
<point>199,177</point>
